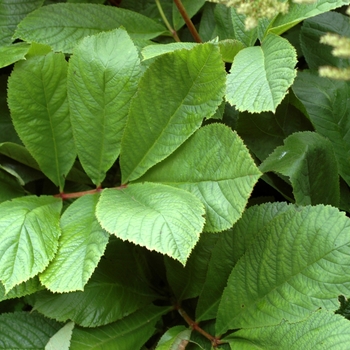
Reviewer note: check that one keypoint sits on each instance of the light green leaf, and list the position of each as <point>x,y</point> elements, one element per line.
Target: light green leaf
<point>102,78</point>
<point>216,167</point>
<point>261,75</point>
<point>298,12</point>
<point>58,26</point>
<point>37,97</point>
<point>25,288</point>
<point>328,106</point>
<point>175,94</point>
<point>81,246</point>
<point>323,330</point>
<point>158,217</point>
<point>113,292</point>
<point>13,53</point>
<point>173,338</point>
<point>309,249</point>
<point>230,247</point>
<point>29,231</point>
<point>26,331</point>
<point>12,12</point>
<point>129,333</point>
<point>309,161</point>
<point>61,339</point>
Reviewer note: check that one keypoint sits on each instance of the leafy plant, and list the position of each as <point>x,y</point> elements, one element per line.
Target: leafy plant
<point>168,183</point>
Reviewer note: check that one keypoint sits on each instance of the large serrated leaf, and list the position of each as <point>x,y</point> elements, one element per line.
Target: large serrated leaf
<point>26,331</point>
<point>25,288</point>
<point>327,104</point>
<point>37,97</point>
<point>113,292</point>
<point>175,94</point>
<point>217,168</point>
<point>322,331</point>
<point>260,76</point>
<point>29,232</point>
<point>308,249</point>
<point>158,217</point>
<point>81,246</point>
<point>129,333</point>
<point>102,78</point>
<point>59,26</point>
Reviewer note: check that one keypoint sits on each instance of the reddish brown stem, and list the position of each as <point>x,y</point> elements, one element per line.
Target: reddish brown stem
<point>188,21</point>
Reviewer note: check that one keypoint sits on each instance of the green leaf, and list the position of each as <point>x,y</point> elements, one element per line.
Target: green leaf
<point>25,288</point>
<point>12,12</point>
<point>61,339</point>
<point>29,231</point>
<point>327,105</point>
<point>38,103</point>
<point>59,26</point>
<point>309,161</point>
<point>18,153</point>
<point>81,245</point>
<point>113,292</point>
<point>13,53</point>
<point>10,187</point>
<point>298,12</point>
<point>191,7</point>
<point>322,331</point>
<point>129,333</point>
<point>229,248</point>
<point>173,338</point>
<point>191,84</point>
<point>261,75</point>
<point>315,53</point>
<point>216,167</point>
<point>309,249</point>
<point>158,217</point>
<point>102,78</point>
<point>24,330</point>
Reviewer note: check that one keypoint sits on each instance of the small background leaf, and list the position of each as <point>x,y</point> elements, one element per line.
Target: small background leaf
<point>13,53</point>
<point>61,339</point>
<point>173,338</point>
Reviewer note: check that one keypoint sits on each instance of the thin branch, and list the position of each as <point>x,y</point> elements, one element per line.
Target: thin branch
<point>188,21</point>
<point>166,22</point>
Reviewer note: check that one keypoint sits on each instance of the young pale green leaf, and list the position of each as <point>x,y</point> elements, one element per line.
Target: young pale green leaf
<point>29,231</point>
<point>102,78</point>
<point>315,53</point>
<point>61,339</point>
<point>37,97</point>
<point>158,217</point>
<point>129,333</point>
<point>13,53</point>
<point>327,105</point>
<point>308,159</point>
<point>322,330</point>
<point>12,12</point>
<point>230,247</point>
<point>175,94</point>
<point>25,288</point>
<point>173,338</point>
<point>298,12</point>
<point>261,75</point>
<point>309,249</point>
<point>26,331</point>
<point>113,292</point>
<point>216,167</point>
<point>59,26</point>
<point>81,246</point>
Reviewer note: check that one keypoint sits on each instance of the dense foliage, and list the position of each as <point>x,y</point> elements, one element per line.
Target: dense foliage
<point>171,184</point>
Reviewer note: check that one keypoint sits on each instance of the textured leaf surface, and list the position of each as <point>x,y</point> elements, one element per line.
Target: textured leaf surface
<point>173,338</point>
<point>61,339</point>
<point>129,333</point>
<point>309,250</point>
<point>158,217</point>
<point>229,248</point>
<point>322,331</point>
<point>216,167</point>
<point>13,53</point>
<point>25,288</point>
<point>81,246</point>
<point>102,78</point>
<point>113,292</point>
<point>175,94</point>
<point>37,97</point>
<point>58,25</point>
<point>29,231</point>
<point>24,330</point>
<point>261,75</point>
<point>328,106</point>
<point>308,160</point>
